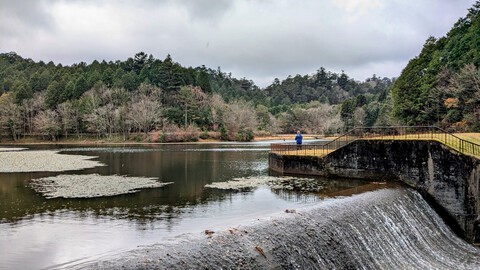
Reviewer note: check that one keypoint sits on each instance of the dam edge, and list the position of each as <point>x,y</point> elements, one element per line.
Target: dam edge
<point>448,179</point>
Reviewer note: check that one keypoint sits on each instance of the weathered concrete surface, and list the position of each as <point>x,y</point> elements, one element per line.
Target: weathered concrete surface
<point>305,165</point>
<point>447,178</point>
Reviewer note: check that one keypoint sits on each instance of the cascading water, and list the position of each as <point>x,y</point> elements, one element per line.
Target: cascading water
<point>385,229</point>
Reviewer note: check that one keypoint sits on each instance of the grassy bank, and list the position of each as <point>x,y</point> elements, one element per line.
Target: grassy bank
<point>142,138</point>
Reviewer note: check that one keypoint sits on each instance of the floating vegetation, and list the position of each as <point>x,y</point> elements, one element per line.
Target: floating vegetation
<point>242,183</point>
<point>44,161</point>
<point>92,185</point>
<point>111,149</point>
<point>299,184</point>
<point>285,183</point>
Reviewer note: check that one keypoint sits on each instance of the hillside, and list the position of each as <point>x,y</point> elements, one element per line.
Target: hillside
<point>144,94</point>
<point>441,86</point>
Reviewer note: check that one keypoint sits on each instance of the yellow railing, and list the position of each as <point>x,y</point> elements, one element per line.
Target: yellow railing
<point>380,133</point>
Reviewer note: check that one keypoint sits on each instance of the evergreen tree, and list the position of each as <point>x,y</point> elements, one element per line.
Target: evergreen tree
<point>107,77</point>
<point>416,94</point>
<point>203,81</point>
<point>81,86</point>
<point>22,91</point>
<point>52,95</point>
<point>68,92</point>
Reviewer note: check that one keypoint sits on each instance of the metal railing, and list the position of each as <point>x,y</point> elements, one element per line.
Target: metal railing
<point>379,133</point>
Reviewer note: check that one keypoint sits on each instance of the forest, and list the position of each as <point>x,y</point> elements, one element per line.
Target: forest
<point>153,100</point>
<point>441,86</point>
<point>148,99</point>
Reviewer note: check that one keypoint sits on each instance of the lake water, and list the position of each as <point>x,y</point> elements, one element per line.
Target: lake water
<point>39,233</point>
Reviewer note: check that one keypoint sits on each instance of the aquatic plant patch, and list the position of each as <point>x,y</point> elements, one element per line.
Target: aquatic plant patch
<point>299,184</point>
<point>287,183</point>
<point>92,185</point>
<point>242,183</point>
<point>43,161</point>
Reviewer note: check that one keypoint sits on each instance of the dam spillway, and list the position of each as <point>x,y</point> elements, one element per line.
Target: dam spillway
<point>447,178</point>
<point>392,228</point>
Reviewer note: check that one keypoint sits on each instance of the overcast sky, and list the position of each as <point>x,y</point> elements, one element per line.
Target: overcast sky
<point>257,39</point>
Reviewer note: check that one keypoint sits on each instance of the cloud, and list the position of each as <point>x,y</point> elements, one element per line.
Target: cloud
<point>256,39</point>
<point>20,18</point>
<point>207,10</point>
<point>357,8</point>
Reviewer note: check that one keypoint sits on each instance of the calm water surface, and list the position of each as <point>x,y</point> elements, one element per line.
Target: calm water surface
<point>39,233</point>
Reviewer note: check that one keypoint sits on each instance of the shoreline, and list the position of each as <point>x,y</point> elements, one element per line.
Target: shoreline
<point>286,137</point>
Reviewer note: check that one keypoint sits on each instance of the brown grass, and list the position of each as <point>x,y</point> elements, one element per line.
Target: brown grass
<point>471,137</point>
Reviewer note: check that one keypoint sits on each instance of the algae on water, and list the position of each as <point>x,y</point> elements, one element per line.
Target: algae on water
<point>288,183</point>
<point>92,185</point>
<point>43,161</point>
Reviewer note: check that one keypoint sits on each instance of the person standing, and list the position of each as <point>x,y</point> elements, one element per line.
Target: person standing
<point>298,139</point>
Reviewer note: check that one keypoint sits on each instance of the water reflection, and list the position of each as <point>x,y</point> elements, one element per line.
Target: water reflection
<point>189,170</point>
<point>60,231</point>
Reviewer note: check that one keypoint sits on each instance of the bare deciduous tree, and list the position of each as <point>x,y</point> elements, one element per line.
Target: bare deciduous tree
<point>154,92</point>
<point>122,122</point>
<point>274,125</point>
<point>67,114</point>
<point>92,100</point>
<point>323,118</point>
<point>359,117</point>
<point>30,108</point>
<point>97,121</point>
<point>145,113</point>
<point>48,123</point>
<point>217,107</point>
<point>10,116</point>
<point>318,117</point>
<point>240,117</point>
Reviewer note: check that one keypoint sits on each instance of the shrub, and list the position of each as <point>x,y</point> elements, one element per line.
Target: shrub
<point>223,133</point>
<point>173,133</point>
<point>245,135</point>
<point>204,135</point>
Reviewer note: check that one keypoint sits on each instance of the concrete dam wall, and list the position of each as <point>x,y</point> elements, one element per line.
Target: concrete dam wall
<point>448,179</point>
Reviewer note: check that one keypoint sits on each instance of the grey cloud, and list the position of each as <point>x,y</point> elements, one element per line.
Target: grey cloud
<point>23,17</point>
<point>257,39</point>
<point>207,9</point>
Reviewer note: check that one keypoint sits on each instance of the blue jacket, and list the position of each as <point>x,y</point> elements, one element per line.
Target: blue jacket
<point>298,138</point>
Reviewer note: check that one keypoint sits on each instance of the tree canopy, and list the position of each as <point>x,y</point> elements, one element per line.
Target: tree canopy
<point>444,71</point>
